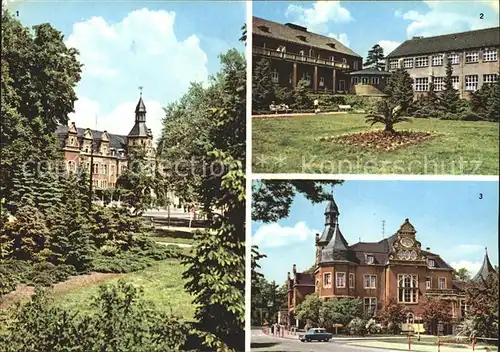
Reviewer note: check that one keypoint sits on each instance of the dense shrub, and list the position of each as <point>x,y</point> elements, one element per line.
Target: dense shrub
<point>470,116</point>
<point>372,327</point>
<point>121,321</point>
<point>357,326</point>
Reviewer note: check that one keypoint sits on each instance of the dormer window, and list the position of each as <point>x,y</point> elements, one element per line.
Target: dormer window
<point>302,37</point>
<point>431,263</point>
<point>331,45</point>
<point>264,28</point>
<point>369,259</point>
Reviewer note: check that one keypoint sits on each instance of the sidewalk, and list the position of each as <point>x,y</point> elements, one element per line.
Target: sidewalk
<point>396,346</point>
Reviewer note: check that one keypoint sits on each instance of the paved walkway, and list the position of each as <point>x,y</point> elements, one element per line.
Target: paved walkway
<point>182,245</point>
<point>303,114</point>
<point>396,346</point>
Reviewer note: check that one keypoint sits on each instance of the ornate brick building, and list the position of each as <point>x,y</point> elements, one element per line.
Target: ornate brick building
<point>109,152</point>
<point>296,54</point>
<point>395,267</point>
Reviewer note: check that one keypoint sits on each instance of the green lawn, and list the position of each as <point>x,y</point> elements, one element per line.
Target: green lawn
<point>162,284</point>
<point>292,145</point>
<point>172,240</point>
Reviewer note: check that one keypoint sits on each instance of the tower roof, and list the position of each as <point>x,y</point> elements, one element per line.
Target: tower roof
<point>332,207</point>
<point>140,107</point>
<point>485,269</point>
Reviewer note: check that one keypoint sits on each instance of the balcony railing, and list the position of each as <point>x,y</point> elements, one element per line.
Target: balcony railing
<point>298,58</point>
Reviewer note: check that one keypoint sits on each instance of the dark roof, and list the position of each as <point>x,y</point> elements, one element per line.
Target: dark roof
<point>304,279</point>
<point>140,106</point>
<point>332,207</point>
<point>289,34</point>
<point>115,140</point>
<point>485,269</point>
<point>140,130</point>
<point>456,41</point>
<point>439,262</point>
<point>458,285</point>
<point>371,71</point>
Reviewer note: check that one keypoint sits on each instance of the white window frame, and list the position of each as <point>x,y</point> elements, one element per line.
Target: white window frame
<point>438,83</point>
<point>355,65</point>
<point>454,58</point>
<point>428,283</point>
<point>322,81</point>
<point>370,302</point>
<point>463,307</point>
<point>301,52</point>
<point>342,83</point>
<point>370,259</point>
<point>371,280</point>
<point>408,286</point>
<point>455,80</point>
<point>490,55</point>
<point>112,170</point>
<point>442,280</point>
<point>393,64</point>
<point>421,84</point>
<point>408,63</point>
<point>365,80</point>
<point>431,263</point>
<point>354,80</point>
<point>471,57</point>
<point>275,76</point>
<point>340,279</point>
<point>471,83</point>
<point>422,61</point>
<point>327,280</point>
<point>490,78</point>
<point>375,80</point>
<point>352,280</point>
<point>332,58</point>
<point>437,60</point>
<point>344,61</point>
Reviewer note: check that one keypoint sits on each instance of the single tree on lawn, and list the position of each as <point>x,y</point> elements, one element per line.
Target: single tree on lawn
<point>400,90</point>
<point>301,98</point>
<point>387,114</point>
<point>310,309</point>
<point>436,311</point>
<point>375,58</point>
<point>392,315</point>
<point>262,85</point>
<point>450,98</point>
<point>461,274</point>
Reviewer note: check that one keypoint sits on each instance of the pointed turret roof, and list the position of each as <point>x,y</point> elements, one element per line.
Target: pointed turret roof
<point>337,240</point>
<point>140,107</point>
<point>331,221</point>
<point>331,207</point>
<point>486,268</point>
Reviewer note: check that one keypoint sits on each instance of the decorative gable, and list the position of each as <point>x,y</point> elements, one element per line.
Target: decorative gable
<point>88,134</point>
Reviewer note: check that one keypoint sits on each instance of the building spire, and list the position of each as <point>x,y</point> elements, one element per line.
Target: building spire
<point>486,268</point>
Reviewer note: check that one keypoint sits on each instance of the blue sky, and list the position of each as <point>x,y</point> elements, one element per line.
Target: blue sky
<point>162,46</point>
<point>361,24</point>
<point>449,217</point>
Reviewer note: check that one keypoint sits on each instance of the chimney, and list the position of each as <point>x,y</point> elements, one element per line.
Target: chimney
<point>317,237</point>
<point>288,275</point>
<point>294,269</point>
<point>427,248</point>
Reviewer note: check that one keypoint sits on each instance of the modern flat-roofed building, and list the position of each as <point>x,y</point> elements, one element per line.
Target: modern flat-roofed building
<point>295,54</point>
<point>473,54</point>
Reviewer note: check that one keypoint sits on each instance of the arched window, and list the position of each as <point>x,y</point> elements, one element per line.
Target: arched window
<point>407,288</point>
<point>71,166</point>
<point>410,318</point>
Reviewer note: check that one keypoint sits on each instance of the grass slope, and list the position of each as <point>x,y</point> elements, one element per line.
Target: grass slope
<point>292,145</point>
<point>162,284</point>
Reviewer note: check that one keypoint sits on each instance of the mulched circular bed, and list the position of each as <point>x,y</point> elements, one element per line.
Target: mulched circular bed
<point>381,140</point>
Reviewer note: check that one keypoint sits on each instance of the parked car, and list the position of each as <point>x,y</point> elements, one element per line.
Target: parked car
<point>315,334</point>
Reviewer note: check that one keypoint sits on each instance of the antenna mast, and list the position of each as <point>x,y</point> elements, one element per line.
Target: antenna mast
<point>383,228</point>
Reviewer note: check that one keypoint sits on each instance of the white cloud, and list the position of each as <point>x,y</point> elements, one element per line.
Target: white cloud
<point>465,249</point>
<point>274,235</point>
<point>443,17</point>
<point>472,267</point>
<point>140,50</point>
<point>340,37</point>
<point>317,17</point>
<point>388,46</point>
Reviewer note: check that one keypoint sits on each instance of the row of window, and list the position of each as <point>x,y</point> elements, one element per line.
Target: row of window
<point>488,55</point>
<point>365,80</point>
<point>95,170</point>
<point>275,77</point>
<point>331,58</point>
<point>471,82</point>
<point>103,184</point>
<point>406,282</point>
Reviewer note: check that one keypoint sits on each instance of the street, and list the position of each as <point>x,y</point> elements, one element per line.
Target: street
<point>263,342</point>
